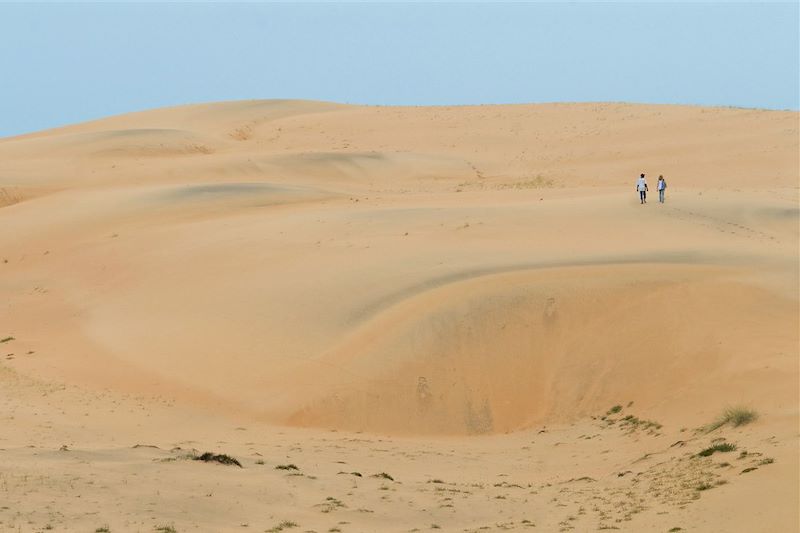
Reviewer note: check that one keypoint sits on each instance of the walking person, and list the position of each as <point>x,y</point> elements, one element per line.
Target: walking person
<point>641,186</point>
<point>661,186</point>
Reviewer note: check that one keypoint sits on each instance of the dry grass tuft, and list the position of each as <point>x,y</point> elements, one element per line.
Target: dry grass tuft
<point>735,416</point>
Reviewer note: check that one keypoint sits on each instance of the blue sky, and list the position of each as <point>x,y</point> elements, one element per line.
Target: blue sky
<point>64,63</point>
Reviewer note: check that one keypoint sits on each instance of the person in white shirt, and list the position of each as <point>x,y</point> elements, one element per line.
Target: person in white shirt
<point>661,185</point>
<point>641,186</point>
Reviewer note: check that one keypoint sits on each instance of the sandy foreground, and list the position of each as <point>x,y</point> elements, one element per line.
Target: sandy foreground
<point>400,319</point>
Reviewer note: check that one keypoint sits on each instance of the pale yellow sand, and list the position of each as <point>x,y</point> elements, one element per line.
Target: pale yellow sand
<point>454,296</point>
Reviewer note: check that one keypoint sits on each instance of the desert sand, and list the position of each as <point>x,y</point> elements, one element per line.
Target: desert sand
<point>400,319</point>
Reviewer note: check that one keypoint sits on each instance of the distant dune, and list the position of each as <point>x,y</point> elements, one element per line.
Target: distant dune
<point>411,272</point>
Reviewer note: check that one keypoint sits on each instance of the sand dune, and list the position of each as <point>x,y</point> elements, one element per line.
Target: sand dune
<point>460,284</point>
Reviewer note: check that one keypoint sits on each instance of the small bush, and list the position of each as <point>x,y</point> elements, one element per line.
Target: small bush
<point>287,467</point>
<point>384,475</point>
<point>166,529</point>
<point>721,447</point>
<point>614,410</point>
<point>209,457</point>
<point>6,339</point>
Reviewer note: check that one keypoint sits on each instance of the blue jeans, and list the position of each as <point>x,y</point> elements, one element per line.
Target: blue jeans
<point>661,196</point>
<point>642,196</point>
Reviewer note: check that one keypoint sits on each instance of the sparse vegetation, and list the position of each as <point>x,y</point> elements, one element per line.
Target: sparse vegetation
<point>638,423</point>
<point>629,422</point>
<point>766,461</point>
<point>209,457</point>
<point>286,524</point>
<point>537,182</point>
<point>735,416</point>
<point>331,504</point>
<point>287,467</point>
<point>384,475</point>
<point>167,529</point>
<point>719,447</point>
<point>357,474</point>
<point>103,529</point>
<point>675,529</point>
<point>6,339</point>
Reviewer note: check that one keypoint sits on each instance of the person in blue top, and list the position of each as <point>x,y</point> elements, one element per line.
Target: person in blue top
<point>641,186</point>
<point>662,188</point>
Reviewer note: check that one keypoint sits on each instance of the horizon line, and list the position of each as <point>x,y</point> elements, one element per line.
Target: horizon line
<point>356,104</point>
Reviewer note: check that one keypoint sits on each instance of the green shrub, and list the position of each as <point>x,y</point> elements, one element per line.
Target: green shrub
<point>720,447</point>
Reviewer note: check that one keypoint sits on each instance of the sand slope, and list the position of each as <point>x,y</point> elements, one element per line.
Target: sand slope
<point>452,278</point>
